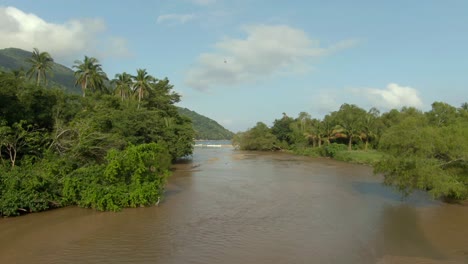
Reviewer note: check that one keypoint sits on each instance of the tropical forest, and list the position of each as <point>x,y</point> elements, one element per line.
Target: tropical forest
<point>107,148</point>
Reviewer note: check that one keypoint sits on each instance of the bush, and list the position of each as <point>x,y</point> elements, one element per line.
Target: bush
<point>310,152</point>
<point>30,188</point>
<point>332,149</point>
<point>359,156</point>
<point>133,177</point>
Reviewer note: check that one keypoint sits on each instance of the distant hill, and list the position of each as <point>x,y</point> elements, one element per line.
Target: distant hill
<point>15,59</point>
<point>206,128</point>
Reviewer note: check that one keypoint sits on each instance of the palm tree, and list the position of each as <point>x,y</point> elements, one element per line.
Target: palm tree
<point>142,83</point>
<point>369,128</point>
<point>123,84</point>
<point>350,119</point>
<point>41,62</point>
<point>89,73</point>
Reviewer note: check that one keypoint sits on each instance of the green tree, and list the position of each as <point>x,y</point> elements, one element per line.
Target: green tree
<point>282,129</point>
<point>123,85</point>
<point>20,139</point>
<point>369,125</point>
<point>257,138</point>
<point>142,83</point>
<point>350,119</point>
<point>89,74</point>
<point>442,114</point>
<point>423,155</point>
<point>41,62</point>
<point>328,125</point>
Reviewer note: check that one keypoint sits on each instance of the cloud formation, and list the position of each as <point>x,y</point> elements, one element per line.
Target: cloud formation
<point>394,96</point>
<point>64,41</point>
<point>179,18</point>
<point>265,51</point>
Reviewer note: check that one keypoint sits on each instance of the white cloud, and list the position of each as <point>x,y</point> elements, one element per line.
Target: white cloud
<point>64,41</point>
<point>394,96</point>
<point>179,18</point>
<point>265,51</point>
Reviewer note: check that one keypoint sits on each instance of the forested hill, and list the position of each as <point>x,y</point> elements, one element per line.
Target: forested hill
<point>206,128</point>
<point>15,59</point>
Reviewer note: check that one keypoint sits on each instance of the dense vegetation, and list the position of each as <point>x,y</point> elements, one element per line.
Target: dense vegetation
<point>14,60</point>
<point>412,149</point>
<point>107,149</point>
<point>206,128</point>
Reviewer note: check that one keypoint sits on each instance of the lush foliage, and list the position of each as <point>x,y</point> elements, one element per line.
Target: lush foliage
<point>428,151</point>
<point>412,149</point>
<point>104,151</point>
<point>133,177</point>
<point>257,138</point>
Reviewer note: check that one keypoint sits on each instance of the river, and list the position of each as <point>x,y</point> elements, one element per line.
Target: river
<point>226,206</point>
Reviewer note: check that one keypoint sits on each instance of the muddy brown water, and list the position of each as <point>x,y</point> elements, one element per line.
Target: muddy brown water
<point>226,206</point>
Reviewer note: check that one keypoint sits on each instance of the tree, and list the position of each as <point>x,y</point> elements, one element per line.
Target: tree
<point>257,138</point>
<point>20,139</point>
<point>369,125</point>
<point>123,84</point>
<point>328,127</point>
<point>41,62</point>
<point>442,114</point>
<point>89,73</point>
<point>142,83</point>
<point>423,155</point>
<point>282,129</point>
<point>301,130</point>
<point>350,120</point>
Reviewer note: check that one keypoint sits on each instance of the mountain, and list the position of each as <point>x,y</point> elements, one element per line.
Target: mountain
<point>206,128</point>
<point>14,59</point>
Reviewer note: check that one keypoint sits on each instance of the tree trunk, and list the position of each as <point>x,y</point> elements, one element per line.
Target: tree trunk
<point>139,98</point>
<point>85,86</point>
<point>350,142</point>
<point>38,78</point>
<point>319,142</point>
<point>367,142</point>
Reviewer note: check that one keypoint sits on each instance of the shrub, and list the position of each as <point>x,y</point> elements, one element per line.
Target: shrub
<point>332,149</point>
<point>133,177</point>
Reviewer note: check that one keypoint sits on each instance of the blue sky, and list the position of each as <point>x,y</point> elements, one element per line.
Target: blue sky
<point>244,61</point>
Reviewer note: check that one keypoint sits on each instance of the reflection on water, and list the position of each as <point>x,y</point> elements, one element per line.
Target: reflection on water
<point>226,206</point>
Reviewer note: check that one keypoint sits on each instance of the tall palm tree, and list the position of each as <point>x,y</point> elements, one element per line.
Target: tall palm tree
<point>41,62</point>
<point>369,126</point>
<point>123,84</point>
<point>89,73</point>
<point>142,83</point>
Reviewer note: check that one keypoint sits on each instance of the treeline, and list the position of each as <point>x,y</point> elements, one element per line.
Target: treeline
<point>107,149</point>
<point>414,149</point>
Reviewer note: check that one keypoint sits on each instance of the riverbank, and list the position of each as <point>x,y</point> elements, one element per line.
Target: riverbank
<point>369,157</point>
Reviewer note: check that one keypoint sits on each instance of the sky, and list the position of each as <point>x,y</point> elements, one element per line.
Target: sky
<point>240,62</point>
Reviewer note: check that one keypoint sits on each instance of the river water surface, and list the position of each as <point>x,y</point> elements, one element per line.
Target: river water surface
<point>226,206</point>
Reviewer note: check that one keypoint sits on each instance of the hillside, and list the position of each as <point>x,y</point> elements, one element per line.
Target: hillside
<point>14,59</point>
<point>206,128</point>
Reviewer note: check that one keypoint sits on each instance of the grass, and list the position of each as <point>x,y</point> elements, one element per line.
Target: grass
<point>370,157</point>
<point>309,152</point>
